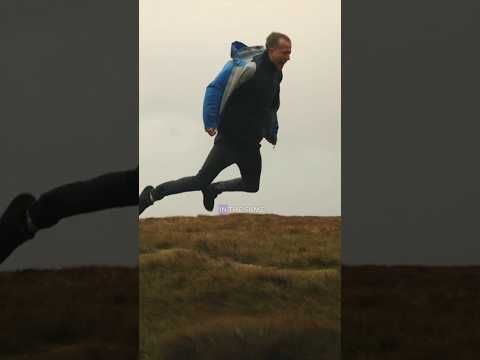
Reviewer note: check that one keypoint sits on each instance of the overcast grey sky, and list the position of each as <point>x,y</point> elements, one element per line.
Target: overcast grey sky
<point>184,44</point>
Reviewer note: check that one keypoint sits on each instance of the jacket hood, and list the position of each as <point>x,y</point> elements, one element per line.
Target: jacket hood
<point>240,51</point>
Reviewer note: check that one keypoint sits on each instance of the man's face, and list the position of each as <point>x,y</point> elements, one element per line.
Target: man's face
<point>281,54</point>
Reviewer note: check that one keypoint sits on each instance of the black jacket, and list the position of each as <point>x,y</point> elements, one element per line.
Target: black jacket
<point>249,113</point>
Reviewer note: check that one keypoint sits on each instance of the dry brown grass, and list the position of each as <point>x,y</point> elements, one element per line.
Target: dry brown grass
<point>270,240</point>
<point>240,287</point>
<point>237,287</point>
<point>237,338</point>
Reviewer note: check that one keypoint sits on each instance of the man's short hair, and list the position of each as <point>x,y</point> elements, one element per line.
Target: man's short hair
<point>274,38</point>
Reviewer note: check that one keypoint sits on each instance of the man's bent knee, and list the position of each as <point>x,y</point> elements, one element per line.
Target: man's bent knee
<point>253,188</point>
<point>202,181</point>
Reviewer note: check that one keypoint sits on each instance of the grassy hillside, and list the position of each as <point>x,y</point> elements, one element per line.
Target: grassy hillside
<point>236,287</point>
<point>240,286</point>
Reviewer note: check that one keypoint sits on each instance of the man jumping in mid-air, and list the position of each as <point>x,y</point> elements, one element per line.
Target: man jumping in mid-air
<point>241,107</point>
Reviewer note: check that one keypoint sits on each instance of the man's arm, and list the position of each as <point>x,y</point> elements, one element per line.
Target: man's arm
<point>213,97</point>
<point>272,138</point>
<point>276,100</point>
<point>276,106</point>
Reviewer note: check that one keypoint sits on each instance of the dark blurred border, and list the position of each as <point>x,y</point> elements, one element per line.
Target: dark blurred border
<point>410,179</point>
<point>410,130</point>
<point>69,112</point>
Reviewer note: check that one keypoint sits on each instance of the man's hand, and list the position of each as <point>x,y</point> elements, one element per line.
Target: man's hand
<point>211,131</point>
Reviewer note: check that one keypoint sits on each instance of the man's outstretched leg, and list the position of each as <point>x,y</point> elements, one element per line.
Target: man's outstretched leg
<point>221,156</point>
<point>25,215</point>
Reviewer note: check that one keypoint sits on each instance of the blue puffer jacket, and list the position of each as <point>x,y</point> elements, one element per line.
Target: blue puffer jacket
<point>251,70</point>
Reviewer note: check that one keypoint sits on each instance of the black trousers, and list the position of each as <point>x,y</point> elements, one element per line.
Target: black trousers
<point>223,154</point>
<point>107,191</point>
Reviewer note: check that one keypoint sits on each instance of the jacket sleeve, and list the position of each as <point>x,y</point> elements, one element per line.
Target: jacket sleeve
<point>276,100</point>
<point>270,110</point>
<point>213,97</point>
<point>276,106</point>
<point>272,138</point>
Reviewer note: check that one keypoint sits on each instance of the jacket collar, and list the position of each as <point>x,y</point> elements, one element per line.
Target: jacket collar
<point>268,61</point>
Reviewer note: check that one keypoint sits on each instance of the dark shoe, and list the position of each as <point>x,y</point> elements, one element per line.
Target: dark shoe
<point>145,200</point>
<point>14,230</point>
<point>209,196</point>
